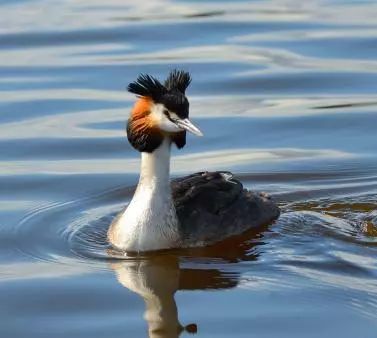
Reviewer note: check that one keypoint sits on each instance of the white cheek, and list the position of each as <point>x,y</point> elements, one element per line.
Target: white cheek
<point>162,121</point>
<point>168,126</point>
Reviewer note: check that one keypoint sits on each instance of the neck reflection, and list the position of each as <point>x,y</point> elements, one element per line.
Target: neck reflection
<point>156,278</point>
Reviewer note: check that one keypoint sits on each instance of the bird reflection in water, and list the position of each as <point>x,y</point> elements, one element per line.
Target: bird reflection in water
<point>157,277</point>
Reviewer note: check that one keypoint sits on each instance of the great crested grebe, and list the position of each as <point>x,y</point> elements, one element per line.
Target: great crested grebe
<point>196,210</point>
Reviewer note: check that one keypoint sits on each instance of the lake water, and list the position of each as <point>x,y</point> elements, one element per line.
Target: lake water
<point>285,93</point>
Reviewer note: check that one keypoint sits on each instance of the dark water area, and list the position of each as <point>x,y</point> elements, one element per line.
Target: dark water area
<point>286,95</point>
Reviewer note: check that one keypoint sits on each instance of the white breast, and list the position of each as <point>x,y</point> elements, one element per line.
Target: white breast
<point>150,221</point>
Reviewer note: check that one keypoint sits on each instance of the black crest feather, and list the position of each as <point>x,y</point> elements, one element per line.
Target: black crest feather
<point>146,85</point>
<point>178,80</point>
<point>172,95</point>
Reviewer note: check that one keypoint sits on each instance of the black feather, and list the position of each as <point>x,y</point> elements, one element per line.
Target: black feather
<point>172,96</point>
<point>178,80</point>
<point>179,139</point>
<point>211,206</point>
<point>143,141</point>
<point>177,103</point>
<point>146,85</point>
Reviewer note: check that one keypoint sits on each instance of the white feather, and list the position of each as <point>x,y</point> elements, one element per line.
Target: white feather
<point>157,114</point>
<point>150,221</point>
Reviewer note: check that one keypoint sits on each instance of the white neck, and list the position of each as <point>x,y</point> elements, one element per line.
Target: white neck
<point>155,167</point>
<point>150,221</point>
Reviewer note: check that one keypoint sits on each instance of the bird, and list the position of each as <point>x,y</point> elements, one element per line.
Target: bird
<point>197,210</point>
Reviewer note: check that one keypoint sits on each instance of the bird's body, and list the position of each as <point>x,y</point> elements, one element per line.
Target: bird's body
<point>212,206</point>
<point>195,210</point>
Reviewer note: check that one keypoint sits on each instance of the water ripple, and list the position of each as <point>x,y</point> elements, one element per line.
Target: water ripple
<point>285,94</point>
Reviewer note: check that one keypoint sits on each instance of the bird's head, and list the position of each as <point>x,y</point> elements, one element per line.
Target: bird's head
<point>161,111</point>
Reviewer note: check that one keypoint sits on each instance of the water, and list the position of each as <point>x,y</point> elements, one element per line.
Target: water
<point>285,93</point>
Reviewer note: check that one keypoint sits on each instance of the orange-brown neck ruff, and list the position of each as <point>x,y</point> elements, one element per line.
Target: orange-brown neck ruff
<point>140,119</point>
<point>142,133</point>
